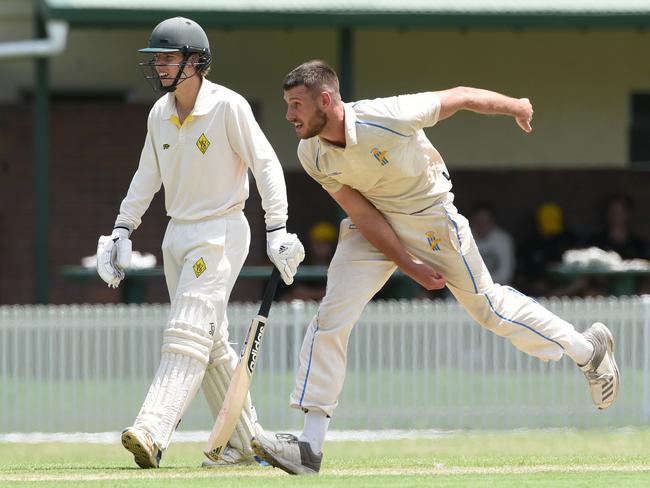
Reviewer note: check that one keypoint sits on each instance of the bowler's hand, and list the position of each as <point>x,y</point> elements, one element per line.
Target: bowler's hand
<point>524,114</point>
<point>425,275</point>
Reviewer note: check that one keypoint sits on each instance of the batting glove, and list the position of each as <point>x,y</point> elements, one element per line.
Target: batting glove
<point>285,251</point>
<point>113,256</point>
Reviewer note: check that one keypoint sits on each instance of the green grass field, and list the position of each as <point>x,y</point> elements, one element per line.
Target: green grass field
<point>447,400</point>
<point>534,458</point>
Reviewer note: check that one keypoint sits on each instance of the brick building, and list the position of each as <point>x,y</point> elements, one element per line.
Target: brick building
<point>580,67</point>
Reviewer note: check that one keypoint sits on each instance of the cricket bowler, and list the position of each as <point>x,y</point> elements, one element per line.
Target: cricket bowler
<point>374,159</point>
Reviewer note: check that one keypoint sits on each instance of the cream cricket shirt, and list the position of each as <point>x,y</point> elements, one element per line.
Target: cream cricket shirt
<point>203,163</point>
<point>387,156</point>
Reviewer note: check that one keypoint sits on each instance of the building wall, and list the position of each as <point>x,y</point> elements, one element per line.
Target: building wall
<point>579,81</point>
<point>16,24</point>
<point>93,155</point>
<point>92,159</point>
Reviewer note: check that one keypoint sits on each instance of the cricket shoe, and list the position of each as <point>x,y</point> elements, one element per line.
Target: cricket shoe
<point>145,451</point>
<point>230,457</point>
<point>601,371</point>
<point>287,453</point>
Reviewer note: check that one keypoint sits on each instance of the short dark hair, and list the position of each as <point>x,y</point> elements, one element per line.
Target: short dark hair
<point>485,207</point>
<point>315,75</point>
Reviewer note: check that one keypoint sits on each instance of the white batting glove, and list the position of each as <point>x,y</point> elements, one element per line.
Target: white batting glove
<point>285,251</point>
<point>113,256</point>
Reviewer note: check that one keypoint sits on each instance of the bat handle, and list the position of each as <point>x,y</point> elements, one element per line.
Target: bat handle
<point>269,293</point>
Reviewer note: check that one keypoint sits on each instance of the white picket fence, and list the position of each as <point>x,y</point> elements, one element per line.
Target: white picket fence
<point>411,365</point>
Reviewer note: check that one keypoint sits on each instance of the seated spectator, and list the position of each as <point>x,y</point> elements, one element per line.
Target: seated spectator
<point>495,244</point>
<point>618,234</point>
<point>544,246</point>
<point>320,249</point>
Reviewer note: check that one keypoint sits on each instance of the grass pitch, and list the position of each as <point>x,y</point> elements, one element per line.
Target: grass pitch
<point>478,459</point>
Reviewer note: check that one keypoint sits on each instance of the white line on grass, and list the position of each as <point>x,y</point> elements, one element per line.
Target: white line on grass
<point>201,436</point>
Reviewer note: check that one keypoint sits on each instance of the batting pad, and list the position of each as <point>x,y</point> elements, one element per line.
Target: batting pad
<point>185,355</point>
<point>223,360</point>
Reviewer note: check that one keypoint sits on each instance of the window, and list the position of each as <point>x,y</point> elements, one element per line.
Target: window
<point>640,130</point>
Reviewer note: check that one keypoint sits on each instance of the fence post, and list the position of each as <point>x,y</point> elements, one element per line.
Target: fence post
<point>645,322</point>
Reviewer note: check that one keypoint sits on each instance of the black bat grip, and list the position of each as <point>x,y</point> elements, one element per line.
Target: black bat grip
<point>269,293</point>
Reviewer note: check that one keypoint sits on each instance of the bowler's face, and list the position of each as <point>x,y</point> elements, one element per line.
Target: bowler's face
<point>303,112</point>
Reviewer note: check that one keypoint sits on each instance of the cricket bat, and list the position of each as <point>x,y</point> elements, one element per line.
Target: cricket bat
<point>241,379</point>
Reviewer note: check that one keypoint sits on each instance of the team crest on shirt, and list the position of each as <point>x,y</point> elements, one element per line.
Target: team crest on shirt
<point>202,143</point>
<point>380,155</point>
<point>199,267</point>
<point>434,243</point>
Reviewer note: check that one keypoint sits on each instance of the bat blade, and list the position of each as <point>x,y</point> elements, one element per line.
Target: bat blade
<point>237,390</point>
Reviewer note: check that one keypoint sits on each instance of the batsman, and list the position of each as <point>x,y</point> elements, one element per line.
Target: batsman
<point>201,141</point>
<point>375,161</point>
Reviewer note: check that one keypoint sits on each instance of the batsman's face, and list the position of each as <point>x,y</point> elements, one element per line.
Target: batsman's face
<point>166,65</point>
<point>304,112</point>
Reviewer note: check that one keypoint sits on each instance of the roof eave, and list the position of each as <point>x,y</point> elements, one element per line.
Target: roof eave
<point>126,18</point>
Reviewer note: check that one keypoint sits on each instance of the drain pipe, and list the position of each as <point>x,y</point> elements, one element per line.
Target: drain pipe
<point>51,40</point>
<point>56,34</point>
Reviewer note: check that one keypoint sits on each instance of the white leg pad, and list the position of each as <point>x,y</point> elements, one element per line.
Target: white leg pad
<point>185,355</point>
<point>223,360</point>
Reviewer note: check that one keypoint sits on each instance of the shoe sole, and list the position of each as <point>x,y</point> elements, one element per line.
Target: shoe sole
<point>132,444</point>
<point>292,469</point>
<point>612,362</point>
<point>224,464</point>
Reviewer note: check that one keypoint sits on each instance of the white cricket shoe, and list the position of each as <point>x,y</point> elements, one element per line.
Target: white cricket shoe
<point>145,452</point>
<point>230,457</point>
<point>287,453</point>
<point>601,371</point>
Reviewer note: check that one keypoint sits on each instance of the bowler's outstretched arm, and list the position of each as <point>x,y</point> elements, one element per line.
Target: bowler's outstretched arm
<point>485,102</point>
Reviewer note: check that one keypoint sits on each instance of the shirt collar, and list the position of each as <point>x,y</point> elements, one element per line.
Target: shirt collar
<point>350,127</point>
<point>204,101</point>
<point>202,105</point>
<point>169,108</point>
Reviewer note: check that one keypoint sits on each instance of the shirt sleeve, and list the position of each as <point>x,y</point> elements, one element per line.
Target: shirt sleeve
<point>145,184</point>
<point>309,162</point>
<point>405,114</point>
<point>251,145</point>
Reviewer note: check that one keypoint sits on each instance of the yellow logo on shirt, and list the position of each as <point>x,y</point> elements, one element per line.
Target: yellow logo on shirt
<point>202,143</point>
<point>199,267</point>
<point>380,155</point>
<point>433,242</point>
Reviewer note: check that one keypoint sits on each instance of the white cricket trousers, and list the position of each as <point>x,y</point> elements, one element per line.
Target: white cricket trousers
<point>441,237</point>
<point>201,261</point>
<point>221,244</point>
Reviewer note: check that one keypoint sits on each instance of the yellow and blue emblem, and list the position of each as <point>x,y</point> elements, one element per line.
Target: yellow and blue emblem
<point>434,243</point>
<point>380,155</point>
